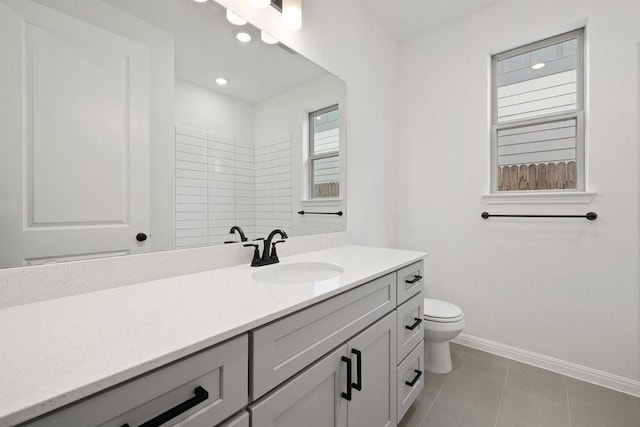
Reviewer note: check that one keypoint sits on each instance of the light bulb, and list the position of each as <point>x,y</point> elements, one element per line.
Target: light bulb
<point>235,19</point>
<point>222,81</point>
<point>538,66</point>
<point>267,38</point>
<point>262,4</point>
<point>292,14</point>
<point>243,37</point>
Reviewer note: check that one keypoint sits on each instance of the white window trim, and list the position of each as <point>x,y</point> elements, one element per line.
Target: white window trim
<point>313,157</point>
<point>541,196</point>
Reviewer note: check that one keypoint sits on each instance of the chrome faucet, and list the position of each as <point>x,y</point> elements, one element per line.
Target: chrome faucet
<point>269,254</point>
<point>243,238</point>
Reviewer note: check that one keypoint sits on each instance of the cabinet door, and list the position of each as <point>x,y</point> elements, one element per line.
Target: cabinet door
<point>373,359</point>
<point>311,399</point>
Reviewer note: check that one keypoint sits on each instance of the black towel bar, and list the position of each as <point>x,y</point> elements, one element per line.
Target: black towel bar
<point>590,216</point>
<point>339,213</point>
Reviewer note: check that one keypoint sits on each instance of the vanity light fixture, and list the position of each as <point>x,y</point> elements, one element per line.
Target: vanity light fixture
<point>222,81</point>
<point>235,19</point>
<point>292,14</point>
<point>268,39</point>
<point>261,4</point>
<point>243,37</point>
<point>538,66</point>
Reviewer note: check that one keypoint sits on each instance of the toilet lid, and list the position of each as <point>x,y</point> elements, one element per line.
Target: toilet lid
<point>435,308</point>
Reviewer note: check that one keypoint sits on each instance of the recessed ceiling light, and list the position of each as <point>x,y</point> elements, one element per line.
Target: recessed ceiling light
<point>292,14</point>
<point>268,39</point>
<point>222,81</point>
<point>243,37</point>
<point>538,66</point>
<point>200,1</point>
<point>235,19</point>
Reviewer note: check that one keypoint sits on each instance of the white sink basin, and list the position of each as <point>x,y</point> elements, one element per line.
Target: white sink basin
<point>295,273</point>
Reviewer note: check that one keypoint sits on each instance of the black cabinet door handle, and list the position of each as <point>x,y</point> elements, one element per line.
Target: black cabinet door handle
<point>141,237</point>
<point>415,324</point>
<point>358,384</point>
<point>415,279</point>
<point>347,395</point>
<point>200,396</point>
<point>415,379</point>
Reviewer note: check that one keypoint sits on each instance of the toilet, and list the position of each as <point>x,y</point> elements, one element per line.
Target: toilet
<point>443,322</point>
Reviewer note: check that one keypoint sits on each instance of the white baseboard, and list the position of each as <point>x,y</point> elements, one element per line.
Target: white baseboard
<point>594,376</point>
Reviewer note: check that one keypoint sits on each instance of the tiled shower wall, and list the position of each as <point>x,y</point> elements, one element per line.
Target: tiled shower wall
<point>273,187</point>
<point>220,183</point>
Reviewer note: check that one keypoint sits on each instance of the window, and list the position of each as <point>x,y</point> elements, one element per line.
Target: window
<point>538,125</point>
<point>324,153</point>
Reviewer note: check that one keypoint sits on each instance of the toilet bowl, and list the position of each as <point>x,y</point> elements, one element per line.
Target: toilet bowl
<point>443,322</point>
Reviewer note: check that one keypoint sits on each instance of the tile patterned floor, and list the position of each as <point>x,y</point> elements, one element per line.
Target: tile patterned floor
<point>484,390</point>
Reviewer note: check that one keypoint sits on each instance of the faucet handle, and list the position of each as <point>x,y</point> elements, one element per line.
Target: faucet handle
<point>274,254</point>
<point>256,253</point>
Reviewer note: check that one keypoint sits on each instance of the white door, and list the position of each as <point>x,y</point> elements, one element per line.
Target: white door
<point>74,138</point>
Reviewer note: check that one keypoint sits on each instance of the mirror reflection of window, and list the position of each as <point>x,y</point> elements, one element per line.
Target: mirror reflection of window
<point>324,153</point>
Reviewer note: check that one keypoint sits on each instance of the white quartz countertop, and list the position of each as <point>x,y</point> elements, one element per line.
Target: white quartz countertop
<point>55,352</point>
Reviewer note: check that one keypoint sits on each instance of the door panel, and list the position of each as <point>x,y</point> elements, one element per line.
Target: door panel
<point>311,399</point>
<point>74,132</point>
<point>375,404</point>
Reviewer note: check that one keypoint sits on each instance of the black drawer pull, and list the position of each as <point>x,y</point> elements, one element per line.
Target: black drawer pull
<point>415,380</point>
<point>200,396</point>
<point>358,384</point>
<point>415,324</point>
<point>415,279</point>
<point>347,395</point>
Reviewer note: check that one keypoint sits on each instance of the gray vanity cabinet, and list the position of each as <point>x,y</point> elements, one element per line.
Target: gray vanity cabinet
<point>352,360</point>
<point>320,396</point>
<point>288,345</point>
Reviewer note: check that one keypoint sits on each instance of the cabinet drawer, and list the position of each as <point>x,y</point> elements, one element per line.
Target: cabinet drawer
<point>410,281</point>
<point>410,315</point>
<point>220,372</point>
<point>289,345</point>
<point>411,368</point>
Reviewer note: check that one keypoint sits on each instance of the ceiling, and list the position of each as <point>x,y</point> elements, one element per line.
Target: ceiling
<point>206,48</point>
<point>406,19</point>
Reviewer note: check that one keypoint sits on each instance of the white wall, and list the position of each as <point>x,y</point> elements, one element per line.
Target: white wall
<point>344,38</point>
<point>563,288</point>
<point>201,108</point>
<point>289,112</point>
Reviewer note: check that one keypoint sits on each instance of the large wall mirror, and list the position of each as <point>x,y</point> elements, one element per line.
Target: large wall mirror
<point>116,137</point>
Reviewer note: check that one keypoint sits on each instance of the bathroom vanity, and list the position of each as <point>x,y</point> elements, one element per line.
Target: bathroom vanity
<point>219,348</point>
